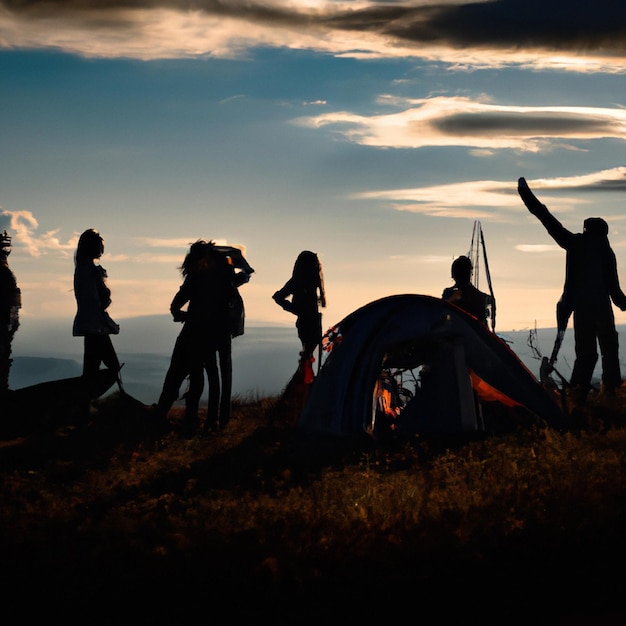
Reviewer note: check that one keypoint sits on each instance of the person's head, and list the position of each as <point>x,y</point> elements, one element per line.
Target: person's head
<point>90,246</point>
<point>5,245</point>
<point>595,227</point>
<point>462,269</point>
<point>202,255</point>
<point>307,267</point>
<point>307,272</point>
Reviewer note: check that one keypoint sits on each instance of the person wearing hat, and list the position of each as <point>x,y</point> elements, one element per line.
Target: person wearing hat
<point>10,304</point>
<point>591,288</point>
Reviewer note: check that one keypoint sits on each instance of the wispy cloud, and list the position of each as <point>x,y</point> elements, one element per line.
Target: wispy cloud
<point>461,121</point>
<point>580,36</point>
<point>497,200</point>
<point>173,242</point>
<point>536,248</point>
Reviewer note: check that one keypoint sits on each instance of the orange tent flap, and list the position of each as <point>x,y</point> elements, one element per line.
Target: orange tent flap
<point>488,393</point>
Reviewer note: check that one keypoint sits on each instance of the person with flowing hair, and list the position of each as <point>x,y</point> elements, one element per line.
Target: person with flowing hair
<point>213,316</point>
<point>303,295</point>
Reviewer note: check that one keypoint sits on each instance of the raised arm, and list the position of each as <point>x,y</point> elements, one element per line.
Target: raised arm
<point>556,230</point>
<point>529,198</point>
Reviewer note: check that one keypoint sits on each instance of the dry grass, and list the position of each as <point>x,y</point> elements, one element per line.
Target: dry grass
<point>272,524</point>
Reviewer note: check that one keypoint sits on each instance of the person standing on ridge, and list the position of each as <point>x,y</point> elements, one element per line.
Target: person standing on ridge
<point>213,316</point>
<point>591,287</point>
<point>10,304</point>
<point>464,294</point>
<point>306,289</point>
<point>92,321</point>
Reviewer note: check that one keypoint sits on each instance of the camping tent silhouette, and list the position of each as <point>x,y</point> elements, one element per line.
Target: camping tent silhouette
<point>414,363</point>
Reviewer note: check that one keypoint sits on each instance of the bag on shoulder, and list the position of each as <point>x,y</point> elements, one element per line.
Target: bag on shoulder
<point>236,314</point>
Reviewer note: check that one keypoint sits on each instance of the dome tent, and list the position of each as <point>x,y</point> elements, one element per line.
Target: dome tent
<point>417,364</point>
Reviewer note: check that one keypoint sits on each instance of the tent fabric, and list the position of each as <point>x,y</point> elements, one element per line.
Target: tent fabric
<point>448,346</point>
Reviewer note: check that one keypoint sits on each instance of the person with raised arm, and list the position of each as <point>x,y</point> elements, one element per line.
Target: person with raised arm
<point>590,289</point>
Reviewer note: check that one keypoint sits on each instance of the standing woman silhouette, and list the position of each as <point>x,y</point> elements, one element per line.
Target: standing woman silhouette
<point>93,298</point>
<point>306,289</point>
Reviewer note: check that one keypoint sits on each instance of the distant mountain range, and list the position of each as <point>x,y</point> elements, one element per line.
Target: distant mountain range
<point>264,358</point>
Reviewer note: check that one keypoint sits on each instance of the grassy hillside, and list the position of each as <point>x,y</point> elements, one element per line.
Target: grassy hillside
<point>108,523</point>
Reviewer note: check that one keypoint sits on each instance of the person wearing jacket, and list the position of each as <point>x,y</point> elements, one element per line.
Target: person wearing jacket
<point>590,289</point>
<point>93,297</point>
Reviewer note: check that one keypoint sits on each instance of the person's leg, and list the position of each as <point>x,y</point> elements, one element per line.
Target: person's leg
<point>91,356</point>
<point>226,373</point>
<point>586,354</point>
<point>213,377</point>
<point>108,356</point>
<point>194,393</point>
<point>176,373</point>
<point>609,349</point>
<point>310,335</point>
<point>5,362</point>
<point>91,367</point>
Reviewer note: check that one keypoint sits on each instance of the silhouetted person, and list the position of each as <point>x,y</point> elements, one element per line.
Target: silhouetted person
<point>209,290</point>
<point>464,294</point>
<point>591,284</point>
<point>242,273</point>
<point>92,320</point>
<point>306,290</point>
<point>10,304</point>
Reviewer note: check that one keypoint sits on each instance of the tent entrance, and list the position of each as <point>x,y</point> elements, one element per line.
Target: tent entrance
<point>424,386</point>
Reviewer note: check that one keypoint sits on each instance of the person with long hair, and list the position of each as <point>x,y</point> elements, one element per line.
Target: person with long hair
<point>303,295</point>
<point>210,293</point>
<point>92,321</point>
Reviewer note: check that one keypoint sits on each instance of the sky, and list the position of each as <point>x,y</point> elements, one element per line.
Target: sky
<point>376,134</point>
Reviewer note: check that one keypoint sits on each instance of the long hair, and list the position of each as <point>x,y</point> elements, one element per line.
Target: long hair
<point>198,257</point>
<point>90,246</point>
<point>307,274</point>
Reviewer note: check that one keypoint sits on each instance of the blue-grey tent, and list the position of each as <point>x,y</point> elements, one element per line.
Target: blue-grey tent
<point>415,363</point>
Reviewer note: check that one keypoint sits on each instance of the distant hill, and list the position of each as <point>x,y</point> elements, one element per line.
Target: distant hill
<point>264,358</point>
<point>26,371</point>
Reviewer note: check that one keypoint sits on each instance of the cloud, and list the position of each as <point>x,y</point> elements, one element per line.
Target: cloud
<point>496,200</point>
<point>22,226</point>
<point>605,180</point>
<point>461,121</point>
<point>534,248</point>
<point>580,36</point>
<point>177,242</point>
